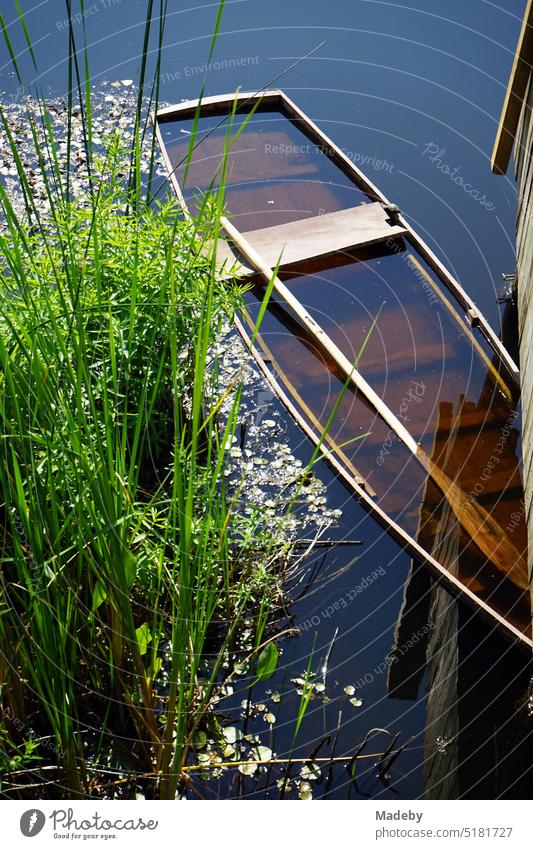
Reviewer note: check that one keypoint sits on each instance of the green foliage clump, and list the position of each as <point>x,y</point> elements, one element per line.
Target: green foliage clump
<point>117,555</point>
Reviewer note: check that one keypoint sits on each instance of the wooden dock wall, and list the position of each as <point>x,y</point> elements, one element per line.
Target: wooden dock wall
<point>524,248</point>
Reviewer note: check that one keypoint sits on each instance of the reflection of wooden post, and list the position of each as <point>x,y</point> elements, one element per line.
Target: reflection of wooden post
<point>474,679</point>
<point>408,659</point>
<point>515,131</point>
<point>441,757</point>
<point>428,609</point>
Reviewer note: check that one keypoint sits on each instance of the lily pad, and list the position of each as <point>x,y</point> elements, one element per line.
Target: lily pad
<point>310,772</point>
<point>231,734</point>
<point>200,740</point>
<point>305,791</point>
<point>262,753</point>
<point>247,769</point>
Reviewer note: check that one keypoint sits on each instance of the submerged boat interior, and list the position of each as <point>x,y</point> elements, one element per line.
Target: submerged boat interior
<point>384,300</point>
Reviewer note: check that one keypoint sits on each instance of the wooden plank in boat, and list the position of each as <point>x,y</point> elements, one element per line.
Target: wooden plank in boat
<point>323,234</point>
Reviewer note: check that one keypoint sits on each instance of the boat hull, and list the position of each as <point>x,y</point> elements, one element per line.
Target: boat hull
<point>365,321</point>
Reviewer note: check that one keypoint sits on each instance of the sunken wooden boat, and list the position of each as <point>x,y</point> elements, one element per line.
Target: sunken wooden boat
<point>362,310</point>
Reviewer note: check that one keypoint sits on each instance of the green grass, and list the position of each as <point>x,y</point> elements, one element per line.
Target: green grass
<point>117,528</point>
<point>123,560</point>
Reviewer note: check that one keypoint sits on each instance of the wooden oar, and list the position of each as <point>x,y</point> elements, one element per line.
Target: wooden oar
<point>477,522</point>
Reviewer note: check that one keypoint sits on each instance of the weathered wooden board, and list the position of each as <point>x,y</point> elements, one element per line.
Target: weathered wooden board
<point>324,234</point>
<point>314,237</point>
<point>524,248</point>
<point>516,89</point>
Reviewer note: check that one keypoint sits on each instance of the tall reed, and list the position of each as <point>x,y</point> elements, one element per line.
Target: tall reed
<point>118,538</point>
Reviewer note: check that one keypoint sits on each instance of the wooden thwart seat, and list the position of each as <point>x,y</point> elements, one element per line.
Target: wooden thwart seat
<point>318,236</point>
<point>324,234</point>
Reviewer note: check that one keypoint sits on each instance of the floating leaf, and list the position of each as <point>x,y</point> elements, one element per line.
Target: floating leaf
<point>247,769</point>
<point>305,791</point>
<point>310,772</point>
<point>199,740</point>
<point>270,718</point>
<point>267,662</point>
<point>349,690</point>
<point>356,702</point>
<point>232,734</point>
<point>230,753</point>
<point>262,753</point>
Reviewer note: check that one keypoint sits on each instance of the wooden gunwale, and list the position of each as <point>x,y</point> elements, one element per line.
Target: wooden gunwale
<point>447,486</point>
<point>365,498</point>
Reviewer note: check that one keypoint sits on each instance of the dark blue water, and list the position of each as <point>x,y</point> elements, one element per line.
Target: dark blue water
<point>413,94</point>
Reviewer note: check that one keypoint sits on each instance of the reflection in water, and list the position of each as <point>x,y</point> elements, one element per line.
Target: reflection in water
<point>275,174</point>
<point>476,704</point>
